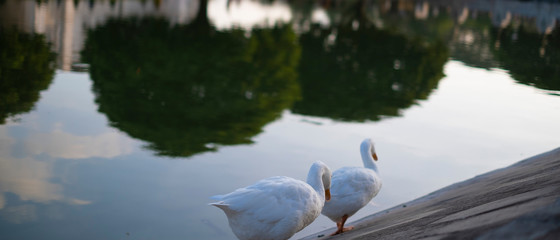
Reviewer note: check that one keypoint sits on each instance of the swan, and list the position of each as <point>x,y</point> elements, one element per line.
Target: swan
<point>276,207</point>
<point>353,187</point>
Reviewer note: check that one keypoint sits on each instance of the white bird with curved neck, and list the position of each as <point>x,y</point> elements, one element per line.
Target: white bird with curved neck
<point>353,188</point>
<point>276,208</point>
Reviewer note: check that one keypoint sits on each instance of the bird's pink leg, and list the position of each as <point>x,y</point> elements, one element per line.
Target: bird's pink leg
<point>341,227</point>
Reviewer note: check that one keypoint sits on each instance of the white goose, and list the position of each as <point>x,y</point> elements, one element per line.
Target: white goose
<point>353,187</point>
<point>276,207</point>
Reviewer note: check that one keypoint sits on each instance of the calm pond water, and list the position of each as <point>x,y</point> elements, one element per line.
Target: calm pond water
<point>119,119</point>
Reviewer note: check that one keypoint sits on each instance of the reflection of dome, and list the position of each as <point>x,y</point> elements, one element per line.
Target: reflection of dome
<point>188,93</point>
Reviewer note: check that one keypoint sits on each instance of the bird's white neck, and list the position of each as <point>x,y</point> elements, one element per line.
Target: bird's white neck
<point>367,150</point>
<point>319,178</point>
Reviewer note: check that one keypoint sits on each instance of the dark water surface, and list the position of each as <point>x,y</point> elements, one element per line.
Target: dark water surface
<point>119,119</point>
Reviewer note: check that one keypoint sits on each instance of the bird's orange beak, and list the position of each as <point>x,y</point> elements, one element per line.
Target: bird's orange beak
<point>327,195</point>
<point>374,155</point>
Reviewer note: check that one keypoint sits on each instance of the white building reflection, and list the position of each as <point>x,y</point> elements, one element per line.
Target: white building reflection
<point>65,25</point>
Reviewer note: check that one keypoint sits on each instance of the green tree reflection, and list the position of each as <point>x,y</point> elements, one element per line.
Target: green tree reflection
<point>362,74</point>
<point>184,89</point>
<point>26,68</point>
<point>530,57</point>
